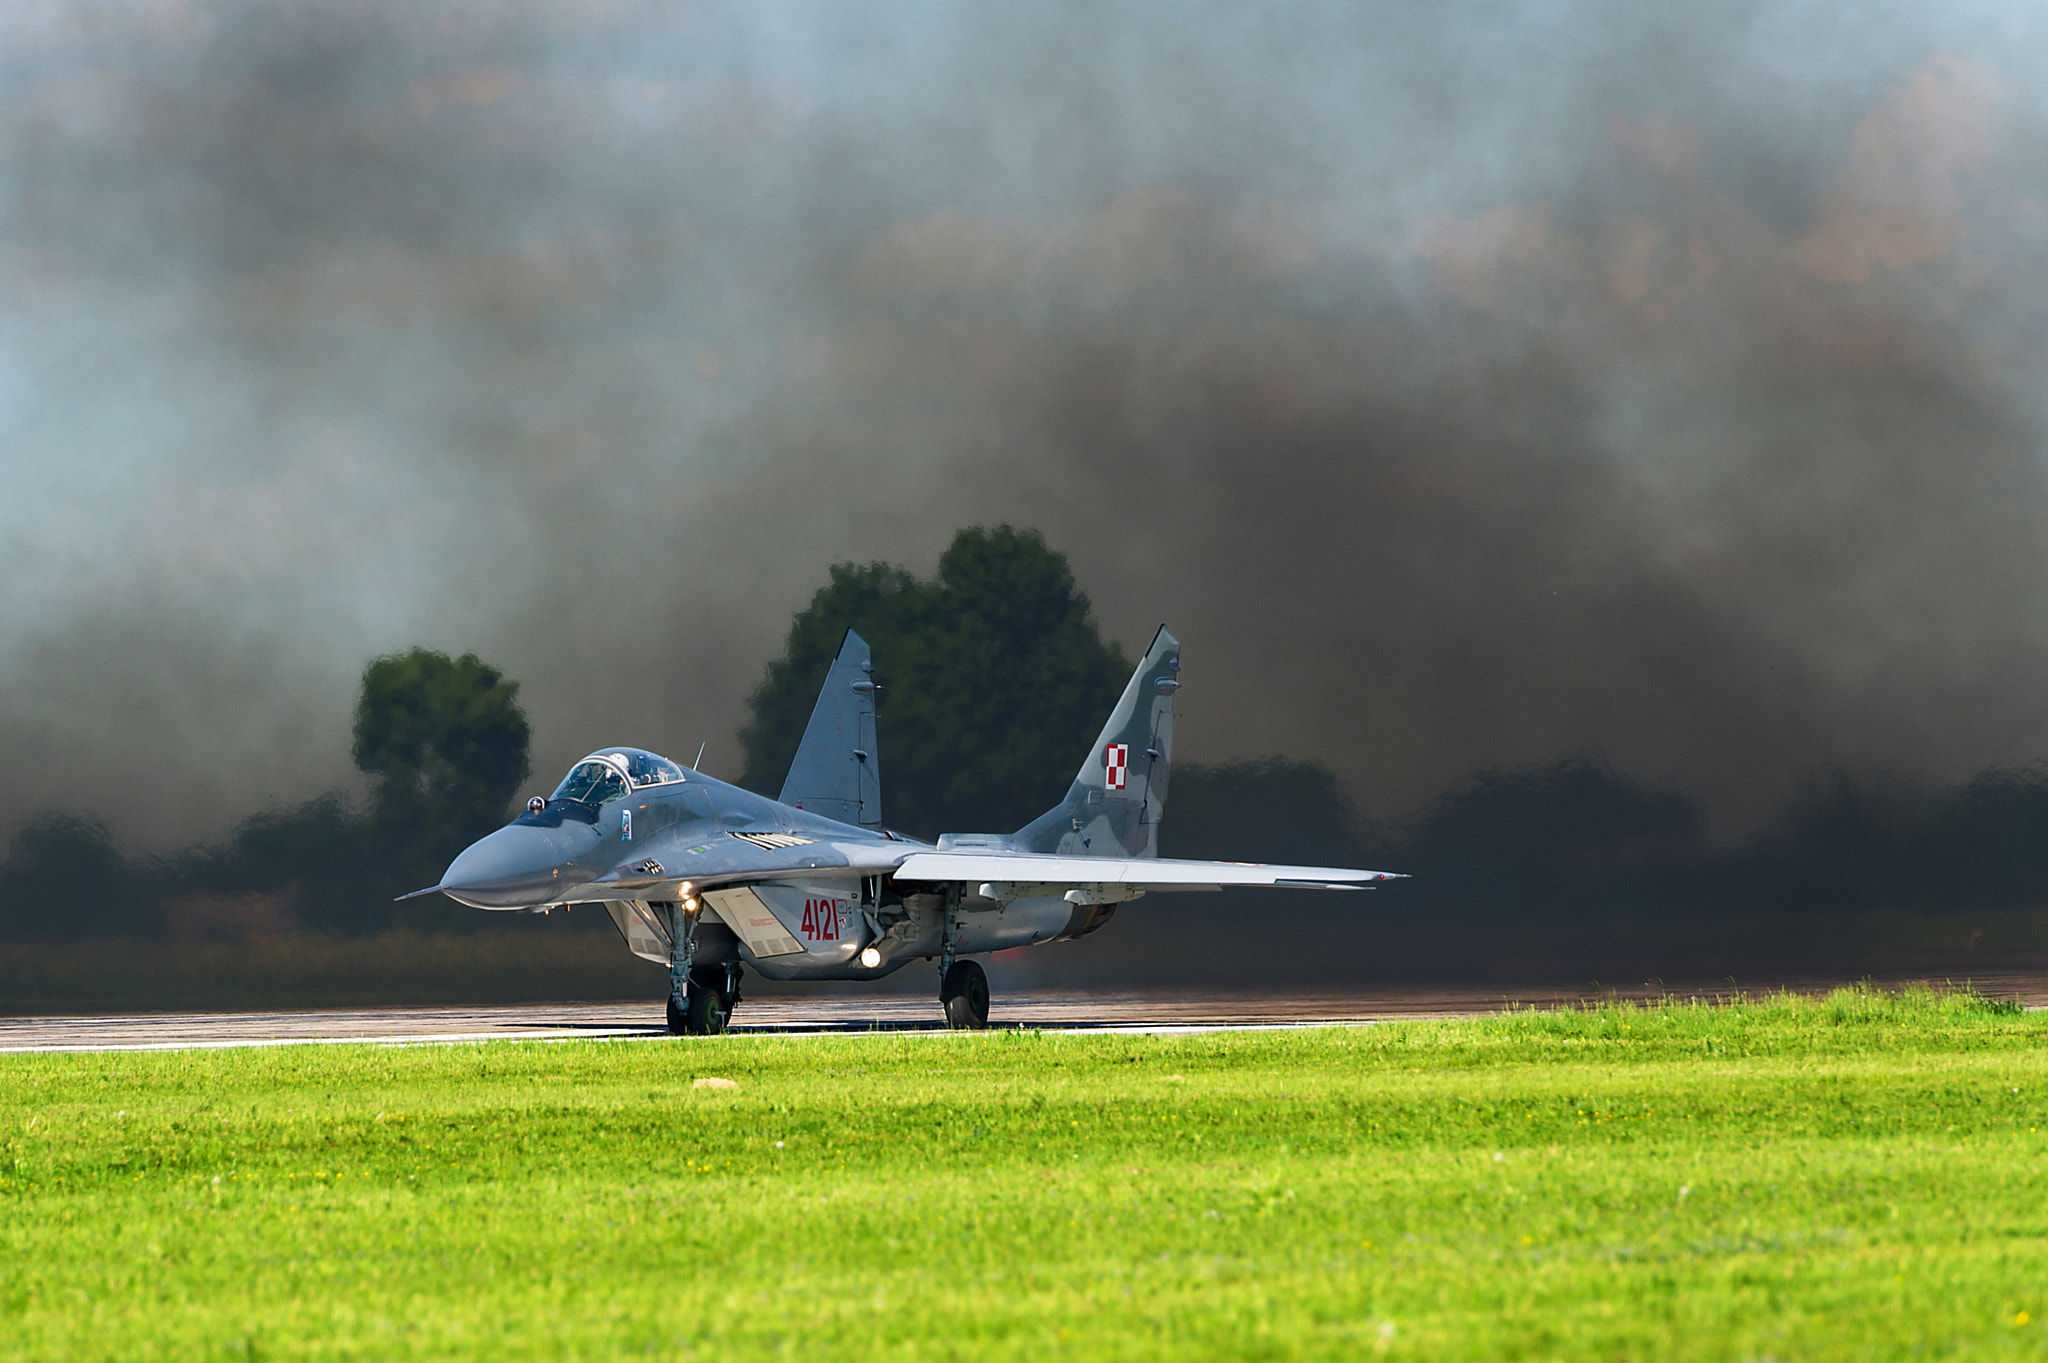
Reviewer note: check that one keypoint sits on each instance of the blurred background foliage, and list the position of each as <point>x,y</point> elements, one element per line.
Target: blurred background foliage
<point>995,680</point>
<point>443,742</point>
<point>994,675</point>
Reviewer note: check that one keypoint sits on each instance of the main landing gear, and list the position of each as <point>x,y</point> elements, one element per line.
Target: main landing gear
<point>963,988</point>
<point>963,993</point>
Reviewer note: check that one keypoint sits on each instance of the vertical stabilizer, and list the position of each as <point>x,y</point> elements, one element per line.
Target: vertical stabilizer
<point>837,772</point>
<point>1117,799</point>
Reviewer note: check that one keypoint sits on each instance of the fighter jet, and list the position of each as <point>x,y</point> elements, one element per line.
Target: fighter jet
<point>709,879</point>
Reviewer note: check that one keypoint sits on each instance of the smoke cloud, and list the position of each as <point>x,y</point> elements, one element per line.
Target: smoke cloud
<point>1466,384</point>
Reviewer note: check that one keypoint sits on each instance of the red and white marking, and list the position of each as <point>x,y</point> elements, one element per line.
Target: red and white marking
<point>1116,763</point>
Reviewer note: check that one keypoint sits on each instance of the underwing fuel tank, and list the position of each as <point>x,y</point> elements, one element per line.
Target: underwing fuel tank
<point>999,926</point>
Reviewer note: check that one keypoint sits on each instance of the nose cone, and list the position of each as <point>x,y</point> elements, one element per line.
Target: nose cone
<point>517,867</point>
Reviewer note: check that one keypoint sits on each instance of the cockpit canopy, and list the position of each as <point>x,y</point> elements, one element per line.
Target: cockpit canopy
<point>613,773</point>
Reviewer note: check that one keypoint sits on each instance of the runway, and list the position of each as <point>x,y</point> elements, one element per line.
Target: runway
<point>806,1015</point>
<point>1154,1012</point>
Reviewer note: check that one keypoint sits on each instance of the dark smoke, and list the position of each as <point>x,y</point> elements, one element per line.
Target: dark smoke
<point>1469,385</point>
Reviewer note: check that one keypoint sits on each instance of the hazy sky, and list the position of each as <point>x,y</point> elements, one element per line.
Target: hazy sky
<point>1465,383</point>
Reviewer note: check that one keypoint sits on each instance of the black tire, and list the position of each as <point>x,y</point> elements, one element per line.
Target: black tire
<point>964,996</point>
<point>706,1009</point>
<point>678,1020</point>
<point>721,980</point>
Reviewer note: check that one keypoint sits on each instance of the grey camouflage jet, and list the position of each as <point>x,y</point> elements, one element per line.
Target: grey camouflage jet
<point>708,879</point>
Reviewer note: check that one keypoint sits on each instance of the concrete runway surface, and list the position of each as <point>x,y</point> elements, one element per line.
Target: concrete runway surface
<point>1161,1012</point>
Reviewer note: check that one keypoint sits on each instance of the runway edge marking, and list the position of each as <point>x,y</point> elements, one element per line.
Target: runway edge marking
<point>657,1033</point>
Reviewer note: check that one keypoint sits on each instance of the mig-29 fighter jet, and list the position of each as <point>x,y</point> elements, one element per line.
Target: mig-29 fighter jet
<point>706,878</point>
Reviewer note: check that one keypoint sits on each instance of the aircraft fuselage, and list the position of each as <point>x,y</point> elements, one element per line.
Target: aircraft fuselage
<point>794,895</point>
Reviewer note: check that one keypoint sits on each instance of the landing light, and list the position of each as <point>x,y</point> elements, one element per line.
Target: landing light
<point>870,958</point>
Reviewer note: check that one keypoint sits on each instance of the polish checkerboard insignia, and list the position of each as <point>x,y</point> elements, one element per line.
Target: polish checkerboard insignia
<point>1116,762</point>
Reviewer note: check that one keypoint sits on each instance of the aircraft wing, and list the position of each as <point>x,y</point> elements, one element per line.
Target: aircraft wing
<point>1049,870</point>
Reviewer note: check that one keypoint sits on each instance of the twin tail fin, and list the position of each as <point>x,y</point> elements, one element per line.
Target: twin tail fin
<point>1118,797</point>
<point>837,771</point>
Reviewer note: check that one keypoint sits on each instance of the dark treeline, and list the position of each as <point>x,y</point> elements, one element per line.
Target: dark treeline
<point>443,742</point>
<point>1559,844</point>
<point>1576,841</point>
<point>995,681</point>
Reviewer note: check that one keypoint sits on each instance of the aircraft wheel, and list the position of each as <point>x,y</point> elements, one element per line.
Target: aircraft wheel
<point>678,1020</point>
<point>722,983</point>
<point>964,995</point>
<point>706,1009</point>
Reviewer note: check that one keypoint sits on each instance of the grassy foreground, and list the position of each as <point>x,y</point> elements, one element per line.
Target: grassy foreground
<point>1860,1176</point>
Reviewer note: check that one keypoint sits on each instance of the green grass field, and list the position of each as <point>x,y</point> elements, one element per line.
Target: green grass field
<point>1856,1177</point>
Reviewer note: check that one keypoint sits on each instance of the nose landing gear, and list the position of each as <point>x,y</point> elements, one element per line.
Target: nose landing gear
<point>704,1011</point>
<point>707,1002</point>
<point>700,998</point>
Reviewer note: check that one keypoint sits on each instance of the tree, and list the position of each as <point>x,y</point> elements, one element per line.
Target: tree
<point>1570,840</point>
<point>1269,809</point>
<point>65,880</point>
<point>316,860</point>
<point>444,742</point>
<point>994,679</point>
<point>875,599</point>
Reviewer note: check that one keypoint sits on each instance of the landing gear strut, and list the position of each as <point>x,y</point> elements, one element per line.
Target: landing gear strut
<point>963,993</point>
<point>963,989</point>
<point>700,998</point>
<point>682,947</point>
